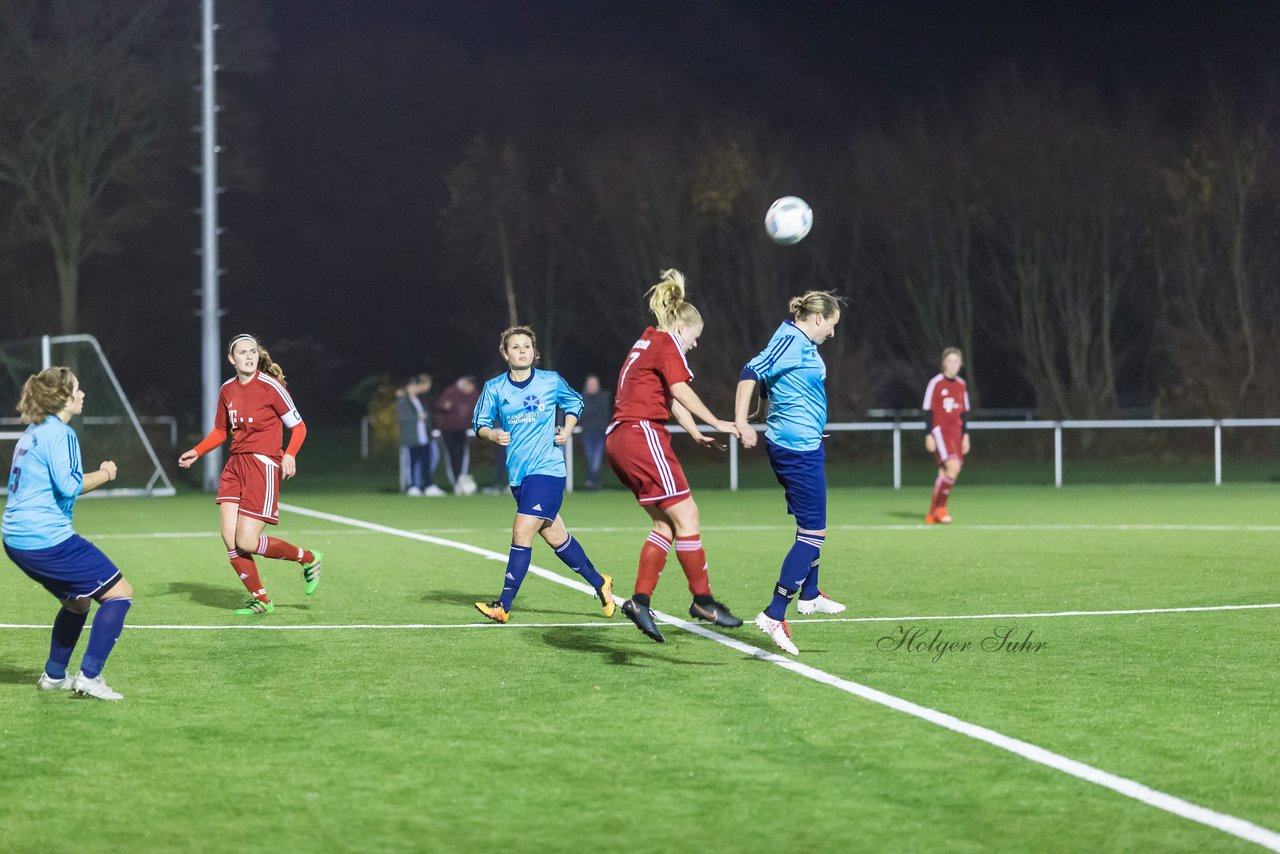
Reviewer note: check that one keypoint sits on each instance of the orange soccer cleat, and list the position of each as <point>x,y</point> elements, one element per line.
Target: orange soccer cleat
<point>493,610</point>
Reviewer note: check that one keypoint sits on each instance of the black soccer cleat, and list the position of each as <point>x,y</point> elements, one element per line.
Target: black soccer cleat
<point>643,618</point>
<point>716,612</point>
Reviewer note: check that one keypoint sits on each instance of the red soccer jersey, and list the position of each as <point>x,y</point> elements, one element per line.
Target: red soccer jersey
<point>656,363</point>
<point>947,400</point>
<point>253,413</point>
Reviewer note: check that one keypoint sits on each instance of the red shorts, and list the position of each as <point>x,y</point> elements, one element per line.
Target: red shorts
<point>949,444</point>
<point>640,454</point>
<point>253,482</point>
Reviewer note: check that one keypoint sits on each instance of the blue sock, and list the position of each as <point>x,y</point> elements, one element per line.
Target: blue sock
<point>572,555</point>
<point>797,566</point>
<point>517,568</point>
<point>66,631</point>
<point>782,597</point>
<point>107,623</point>
<point>809,590</point>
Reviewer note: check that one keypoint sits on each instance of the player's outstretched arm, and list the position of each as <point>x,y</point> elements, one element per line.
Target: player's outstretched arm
<point>685,420</point>
<point>741,407</point>
<point>563,433</point>
<point>216,437</point>
<point>498,437</point>
<point>105,474</point>
<point>688,398</point>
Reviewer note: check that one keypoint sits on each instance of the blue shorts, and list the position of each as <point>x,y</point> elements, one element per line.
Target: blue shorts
<point>539,495</point>
<point>73,569</point>
<point>803,474</point>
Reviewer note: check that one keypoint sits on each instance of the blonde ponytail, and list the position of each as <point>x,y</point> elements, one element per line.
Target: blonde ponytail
<point>666,301</point>
<point>810,303</point>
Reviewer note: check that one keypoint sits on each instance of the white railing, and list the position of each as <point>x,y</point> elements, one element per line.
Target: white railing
<point>1058,427</point>
<point>169,422</point>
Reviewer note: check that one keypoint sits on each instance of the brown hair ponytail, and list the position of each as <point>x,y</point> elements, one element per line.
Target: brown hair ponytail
<point>266,364</point>
<point>45,394</point>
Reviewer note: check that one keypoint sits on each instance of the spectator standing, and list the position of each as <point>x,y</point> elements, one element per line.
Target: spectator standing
<point>597,411</point>
<point>452,412</point>
<point>415,435</point>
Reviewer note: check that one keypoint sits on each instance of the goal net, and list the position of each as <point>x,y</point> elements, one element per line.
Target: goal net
<point>109,428</point>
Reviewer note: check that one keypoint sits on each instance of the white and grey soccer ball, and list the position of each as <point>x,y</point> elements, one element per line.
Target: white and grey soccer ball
<point>788,220</point>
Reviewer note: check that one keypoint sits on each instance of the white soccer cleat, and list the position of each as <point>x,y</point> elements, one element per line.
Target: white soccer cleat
<point>433,491</point>
<point>95,688</point>
<point>778,630</point>
<point>48,683</point>
<point>414,492</point>
<point>821,604</point>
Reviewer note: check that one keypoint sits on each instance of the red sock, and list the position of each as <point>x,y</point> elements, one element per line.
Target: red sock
<point>248,571</point>
<point>280,550</point>
<point>693,560</point>
<point>941,490</point>
<point>653,557</point>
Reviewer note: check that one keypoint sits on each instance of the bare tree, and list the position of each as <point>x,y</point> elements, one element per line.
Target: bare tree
<point>84,91</point>
<point>920,183</point>
<point>489,211</point>
<point>1067,221</point>
<point>1217,238</point>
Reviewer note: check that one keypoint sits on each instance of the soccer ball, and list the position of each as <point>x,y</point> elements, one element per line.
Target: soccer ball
<point>788,220</point>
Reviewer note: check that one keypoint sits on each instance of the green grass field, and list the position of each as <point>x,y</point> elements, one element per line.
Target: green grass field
<point>566,732</point>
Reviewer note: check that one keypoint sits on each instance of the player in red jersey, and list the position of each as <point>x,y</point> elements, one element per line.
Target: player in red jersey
<point>253,407</point>
<point>653,385</point>
<point>946,411</point>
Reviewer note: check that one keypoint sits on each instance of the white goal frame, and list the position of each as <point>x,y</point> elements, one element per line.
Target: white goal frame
<point>159,484</point>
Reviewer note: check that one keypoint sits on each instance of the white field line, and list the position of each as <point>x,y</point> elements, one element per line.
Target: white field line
<point>1240,529</point>
<point>265,627</point>
<point>1035,615</point>
<point>1230,824</point>
<point>601,624</point>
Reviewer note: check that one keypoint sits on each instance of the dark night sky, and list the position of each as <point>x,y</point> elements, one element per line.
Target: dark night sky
<point>324,250</point>
<point>860,49</point>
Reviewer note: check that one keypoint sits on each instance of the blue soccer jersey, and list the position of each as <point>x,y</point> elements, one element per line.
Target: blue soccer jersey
<point>527,410</point>
<point>44,481</point>
<point>792,376</point>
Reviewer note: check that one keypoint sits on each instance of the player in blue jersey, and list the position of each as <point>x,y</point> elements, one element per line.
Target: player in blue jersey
<point>44,481</point>
<point>791,377</point>
<point>517,410</point>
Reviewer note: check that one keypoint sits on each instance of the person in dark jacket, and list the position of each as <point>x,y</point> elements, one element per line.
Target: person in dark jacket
<point>415,435</point>
<point>597,410</point>
<point>452,413</point>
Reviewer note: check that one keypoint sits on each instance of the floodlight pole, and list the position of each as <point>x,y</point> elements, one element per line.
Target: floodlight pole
<point>210,311</point>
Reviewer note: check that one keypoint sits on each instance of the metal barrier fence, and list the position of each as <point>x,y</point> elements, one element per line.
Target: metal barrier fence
<point>1058,427</point>
<point>897,428</point>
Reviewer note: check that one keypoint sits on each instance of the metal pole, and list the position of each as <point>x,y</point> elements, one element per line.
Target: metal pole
<point>210,331</point>
<point>46,352</point>
<point>1217,453</point>
<point>568,463</point>
<point>1057,454</point>
<point>733,463</point>
<point>897,457</point>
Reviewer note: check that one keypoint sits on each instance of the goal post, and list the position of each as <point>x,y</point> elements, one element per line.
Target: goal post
<point>109,429</point>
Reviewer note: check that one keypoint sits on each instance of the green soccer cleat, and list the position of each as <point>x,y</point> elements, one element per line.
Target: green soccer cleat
<point>311,571</point>
<point>256,608</point>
